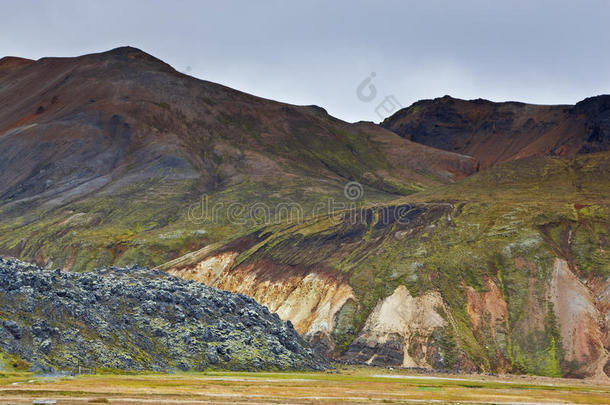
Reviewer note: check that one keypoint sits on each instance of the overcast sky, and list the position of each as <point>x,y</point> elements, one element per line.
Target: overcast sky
<point>319,52</point>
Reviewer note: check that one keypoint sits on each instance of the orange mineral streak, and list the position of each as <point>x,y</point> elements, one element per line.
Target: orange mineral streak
<point>309,300</point>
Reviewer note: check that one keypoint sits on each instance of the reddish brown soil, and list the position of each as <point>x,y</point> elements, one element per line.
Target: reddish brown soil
<point>499,132</point>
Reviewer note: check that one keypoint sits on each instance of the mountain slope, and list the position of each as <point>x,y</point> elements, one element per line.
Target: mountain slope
<point>505,271</point>
<point>104,154</point>
<point>499,132</point>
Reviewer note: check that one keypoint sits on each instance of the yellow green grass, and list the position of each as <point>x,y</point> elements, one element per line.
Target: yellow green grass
<point>346,385</point>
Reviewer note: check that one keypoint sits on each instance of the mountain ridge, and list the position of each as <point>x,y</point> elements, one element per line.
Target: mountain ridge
<point>453,255</point>
<point>94,134</point>
<point>496,132</point>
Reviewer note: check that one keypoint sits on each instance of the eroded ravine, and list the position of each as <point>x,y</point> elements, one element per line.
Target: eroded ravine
<point>310,301</point>
<point>533,314</point>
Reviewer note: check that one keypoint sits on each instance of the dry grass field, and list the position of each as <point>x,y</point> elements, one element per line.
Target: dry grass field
<point>355,385</point>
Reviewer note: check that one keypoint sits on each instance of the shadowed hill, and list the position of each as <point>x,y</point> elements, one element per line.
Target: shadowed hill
<point>498,132</point>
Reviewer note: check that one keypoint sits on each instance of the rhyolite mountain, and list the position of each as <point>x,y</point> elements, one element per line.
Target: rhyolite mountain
<point>102,155</point>
<point>506,271</point>
<point>481,243</point>
<point>498,132</point>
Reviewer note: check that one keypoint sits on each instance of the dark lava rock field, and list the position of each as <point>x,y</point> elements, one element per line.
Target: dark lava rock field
<point>137,319</point>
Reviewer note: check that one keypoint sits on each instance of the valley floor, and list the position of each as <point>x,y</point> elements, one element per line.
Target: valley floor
<point>356,385</point>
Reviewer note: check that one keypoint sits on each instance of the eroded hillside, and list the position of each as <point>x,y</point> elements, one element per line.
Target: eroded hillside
<point>502,272</point>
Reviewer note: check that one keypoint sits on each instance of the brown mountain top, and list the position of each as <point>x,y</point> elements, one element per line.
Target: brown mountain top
<point>499,132</point>
<point>9,63</point>
<point>124,111</point>
<point>126,128</point>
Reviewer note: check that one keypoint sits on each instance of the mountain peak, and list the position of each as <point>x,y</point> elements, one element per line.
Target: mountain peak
<point>126,51</point>
<point>600,103</point>
<point>121,54</point>
<point>14,61</point>
<point>495,132</point>
<point>130,54</point>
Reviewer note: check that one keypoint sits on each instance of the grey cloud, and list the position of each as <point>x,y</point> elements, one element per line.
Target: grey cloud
<point>317,52</point>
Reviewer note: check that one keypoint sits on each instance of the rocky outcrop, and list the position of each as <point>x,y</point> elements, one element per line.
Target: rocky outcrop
<point>499,132</point>
<point>487,308</point>
<point>407,331</point>
<point>597,113</point>
<point>433,285</point>
<point>488,314</point>
<point>581,323</point>
<point>138,319</point>
<point>310,301</point>
<point>398,331</point>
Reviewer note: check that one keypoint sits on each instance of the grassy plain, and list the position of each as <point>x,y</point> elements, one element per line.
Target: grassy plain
<point>355,385</point>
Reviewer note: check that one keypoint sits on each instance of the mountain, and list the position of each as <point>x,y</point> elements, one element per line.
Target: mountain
<point>137,319</point>
<point>507,271</point>
<point>494,133</point>
<point>103,155</point>
<point>465,235</point>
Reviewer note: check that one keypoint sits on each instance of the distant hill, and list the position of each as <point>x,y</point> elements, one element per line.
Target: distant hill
<point>498,132</point>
